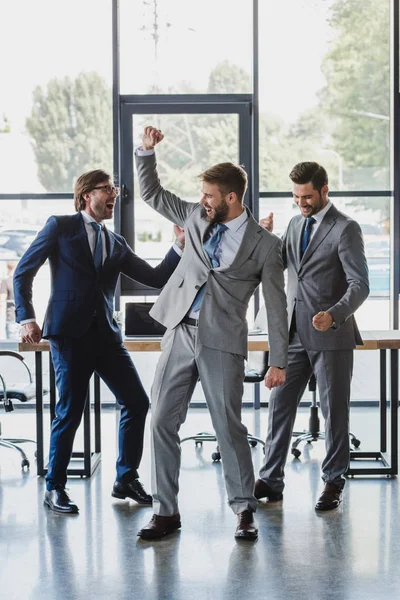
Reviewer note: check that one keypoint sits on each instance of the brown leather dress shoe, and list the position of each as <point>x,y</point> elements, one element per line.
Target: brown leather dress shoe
<point>262,490</point>
<point>159,526</point>
<point>247,527</point>
<point>330,498</point>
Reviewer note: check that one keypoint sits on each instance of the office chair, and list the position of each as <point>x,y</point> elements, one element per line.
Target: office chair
<point>313,433</point>
<point>22,392</point>
<point>255,369</point>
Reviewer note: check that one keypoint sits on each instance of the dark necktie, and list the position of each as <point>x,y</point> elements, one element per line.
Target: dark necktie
<point>305,240</point>
<point>98,248</point>
<point>211,247</point>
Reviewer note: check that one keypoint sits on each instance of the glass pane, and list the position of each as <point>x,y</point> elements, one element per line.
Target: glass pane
<point>22,219</point>
<point>56,108</point>
<point>192,143</point>
<point>373,216</point>
<point>325,91</point>
<point>170,46</point>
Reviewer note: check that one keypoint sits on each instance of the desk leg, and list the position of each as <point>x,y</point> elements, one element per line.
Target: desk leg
<point>383,401</point>
<point>97,415</point>
<point>394,409</point>
<point>86,437</point>
<point>39,414</point>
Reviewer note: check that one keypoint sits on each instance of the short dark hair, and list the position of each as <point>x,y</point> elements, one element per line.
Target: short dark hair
<point>85,184</point>
<point>228,177</point>
<point>304,172</point>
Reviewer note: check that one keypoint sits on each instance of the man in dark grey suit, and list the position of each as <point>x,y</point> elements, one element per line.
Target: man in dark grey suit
<point>323,251</point>
<point>227,255</point>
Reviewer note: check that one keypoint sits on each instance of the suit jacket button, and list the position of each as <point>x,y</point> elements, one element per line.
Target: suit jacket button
<point>300,279</point>
<point>197,287</point>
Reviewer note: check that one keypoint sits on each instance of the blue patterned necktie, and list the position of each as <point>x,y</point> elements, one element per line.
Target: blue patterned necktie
<point>98,248</point>
<point>305,240</point>
<point>211,247</point>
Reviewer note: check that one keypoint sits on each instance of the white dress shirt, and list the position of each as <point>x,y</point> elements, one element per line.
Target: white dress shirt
<point>318,218</point>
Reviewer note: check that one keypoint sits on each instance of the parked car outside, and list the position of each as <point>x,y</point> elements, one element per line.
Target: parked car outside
<point>18,239</point>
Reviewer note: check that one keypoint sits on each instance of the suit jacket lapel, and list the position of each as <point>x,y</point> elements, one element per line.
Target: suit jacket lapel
<point>110,241</point>
<point>82,238</point>
<point>298,234</point>
<point>250,240</point>
<point>323,230</point>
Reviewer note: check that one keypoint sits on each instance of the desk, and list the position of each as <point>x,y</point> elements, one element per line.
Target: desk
<point>384,341</point>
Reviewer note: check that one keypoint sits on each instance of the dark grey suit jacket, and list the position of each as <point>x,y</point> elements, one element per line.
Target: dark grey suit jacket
<point>332,276</point>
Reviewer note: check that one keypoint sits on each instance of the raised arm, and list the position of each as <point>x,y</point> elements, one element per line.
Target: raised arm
<point>164,202</point>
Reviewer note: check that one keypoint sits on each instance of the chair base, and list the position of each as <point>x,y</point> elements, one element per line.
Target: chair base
<point>12,443</point>
<point>309,436</point>
<point>204,436</point>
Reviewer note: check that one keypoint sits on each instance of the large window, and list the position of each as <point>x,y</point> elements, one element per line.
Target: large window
<point>326,97</point>
<point>56,102</point>
<point>323,73</point>
<point>175,47</point>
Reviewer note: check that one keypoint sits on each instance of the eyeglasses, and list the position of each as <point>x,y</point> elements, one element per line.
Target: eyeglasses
<point>108,188</point>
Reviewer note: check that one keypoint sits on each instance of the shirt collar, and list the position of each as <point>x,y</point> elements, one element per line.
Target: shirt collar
<point>89,219</point>
<point>320,215</point>
<point>236,223</point>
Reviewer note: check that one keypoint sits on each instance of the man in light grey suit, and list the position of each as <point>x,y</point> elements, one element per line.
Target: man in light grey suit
<point>323,251</point>
<point>227,255</point>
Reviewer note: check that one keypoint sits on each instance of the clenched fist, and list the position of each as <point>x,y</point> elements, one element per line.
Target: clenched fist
<point>268,222</point>
<point>151,137</point>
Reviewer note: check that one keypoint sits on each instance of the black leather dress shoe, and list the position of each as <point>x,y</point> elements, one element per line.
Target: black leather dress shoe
<point>247,527</point>
<point>330,498</point>
<point>262,490</point>
<point>160,526</point>
<point>134,490</point>
<point>59,501</point>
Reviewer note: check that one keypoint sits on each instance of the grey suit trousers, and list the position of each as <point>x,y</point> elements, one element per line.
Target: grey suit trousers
<point>333,370</point>
<point>182,361</point>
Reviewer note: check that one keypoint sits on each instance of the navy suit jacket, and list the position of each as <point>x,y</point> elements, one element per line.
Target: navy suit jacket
<point>78,292</point>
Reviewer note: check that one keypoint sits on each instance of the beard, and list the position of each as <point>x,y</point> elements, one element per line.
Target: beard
<point>221,212</point>
<point>317,207</point>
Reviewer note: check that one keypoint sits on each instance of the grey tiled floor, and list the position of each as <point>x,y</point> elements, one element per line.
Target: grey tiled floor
<point>350,553</point>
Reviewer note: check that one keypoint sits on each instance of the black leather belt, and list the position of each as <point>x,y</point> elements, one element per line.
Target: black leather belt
<point>190,321</point>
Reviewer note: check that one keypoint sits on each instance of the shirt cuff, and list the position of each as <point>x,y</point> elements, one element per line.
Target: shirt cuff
<point>25,321</point>
<point>178,250</point>
<point>140,152</point>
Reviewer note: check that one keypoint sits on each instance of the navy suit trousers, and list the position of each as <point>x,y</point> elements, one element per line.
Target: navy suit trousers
<point>75,361</point>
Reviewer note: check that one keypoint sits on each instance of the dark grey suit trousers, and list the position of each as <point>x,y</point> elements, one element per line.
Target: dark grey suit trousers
<point>333,370</point>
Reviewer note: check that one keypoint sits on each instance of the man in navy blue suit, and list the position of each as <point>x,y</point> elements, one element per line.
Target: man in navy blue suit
<point>86,260</point>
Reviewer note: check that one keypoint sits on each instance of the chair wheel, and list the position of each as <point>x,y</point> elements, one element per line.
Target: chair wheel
<point>296,453</point>
<point>253,443</point>
<point>356,443</point>
<point>216,456</point>
<point>25,463</point>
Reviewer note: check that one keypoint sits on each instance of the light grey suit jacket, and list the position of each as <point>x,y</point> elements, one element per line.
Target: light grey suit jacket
<point>332,276</point>
<point>222,319</point>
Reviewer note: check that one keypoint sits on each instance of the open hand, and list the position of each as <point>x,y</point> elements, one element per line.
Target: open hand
<point>179,234</point>
<point>151,137</point>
